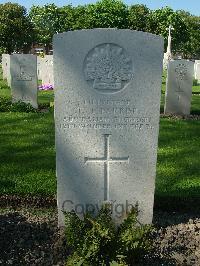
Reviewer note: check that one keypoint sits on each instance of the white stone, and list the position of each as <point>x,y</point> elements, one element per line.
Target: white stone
<point>197,70</point>
<point>47,70</point>
<point>107,103</point>
<point>40,67</point>
<point>179,87</point>
<point>23,72</point>
<point>8,72</point>
<point>166,59</point>
<point>5,65</point>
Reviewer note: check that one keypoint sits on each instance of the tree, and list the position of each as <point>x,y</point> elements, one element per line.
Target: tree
<point>49,20</point>
<point>107,14</point>
<point>16,30</point>
<point>68,18</point>
<point>139,17</point>
<point>160,20</point>
<point>191,48</point>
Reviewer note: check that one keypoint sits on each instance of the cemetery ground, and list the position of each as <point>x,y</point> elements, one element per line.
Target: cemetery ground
<point>28,218</point>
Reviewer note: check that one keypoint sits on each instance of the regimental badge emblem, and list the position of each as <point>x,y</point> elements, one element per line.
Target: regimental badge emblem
<point>108,68</point>
<point>23,74</point>
<point>181,74</point>
<point>181,71</point>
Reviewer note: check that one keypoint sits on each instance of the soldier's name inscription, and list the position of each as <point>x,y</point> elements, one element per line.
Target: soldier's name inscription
<point>105,114</point>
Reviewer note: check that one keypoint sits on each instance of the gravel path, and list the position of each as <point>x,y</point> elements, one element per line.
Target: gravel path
<point>31,237</point>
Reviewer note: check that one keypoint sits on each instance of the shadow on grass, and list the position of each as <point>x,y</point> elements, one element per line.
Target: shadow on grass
<point>7,183</point>
<point>186,208</point>
<point>195,105</point>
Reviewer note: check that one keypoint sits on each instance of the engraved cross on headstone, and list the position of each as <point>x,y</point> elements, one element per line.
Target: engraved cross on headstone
<point>106,160</point>
<point>179,90</point>
<point>181,71</point>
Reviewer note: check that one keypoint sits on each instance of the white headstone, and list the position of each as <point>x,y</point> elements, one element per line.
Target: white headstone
<point>107,103</point>
<point>8,72</point>
<point>23,72</point>
<point>47,70</point>
<point>5,65</point>
<point>179,87</point>
<point>40,67</point>
<point>197,70</point>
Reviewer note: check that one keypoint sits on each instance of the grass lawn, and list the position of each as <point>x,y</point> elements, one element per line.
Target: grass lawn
<point>178,171</point>
<point>27,152</point>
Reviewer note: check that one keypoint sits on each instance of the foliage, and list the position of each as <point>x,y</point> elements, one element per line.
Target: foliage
<point>74,18</point>
<point>133,238</point>
<point>195,82</point>
<point>16,30</point>
<point>97,241</point>
<point>47,21</point>
<point>159,23</point>
<point>138,18</point>
<point>191,48</point>
<point>107,14</point>
<point>6,105</point>
<point>2,50</point>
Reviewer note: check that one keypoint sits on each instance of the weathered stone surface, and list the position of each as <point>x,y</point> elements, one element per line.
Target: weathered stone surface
<point>107,103</point>
<point>47,70</point>
<point>5,65</point>
<point>23,72</point>
<point>179,87</point>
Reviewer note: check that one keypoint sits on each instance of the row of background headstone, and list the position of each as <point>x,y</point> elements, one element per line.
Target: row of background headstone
<point>178,86</point>
<point>22,72</point>
<point>44,68</point>
<point>179,82</point>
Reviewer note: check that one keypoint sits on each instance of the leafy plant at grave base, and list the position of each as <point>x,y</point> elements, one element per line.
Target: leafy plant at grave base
<point>97,241</point>
<point>195,82</point>
<point>6,105</point>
